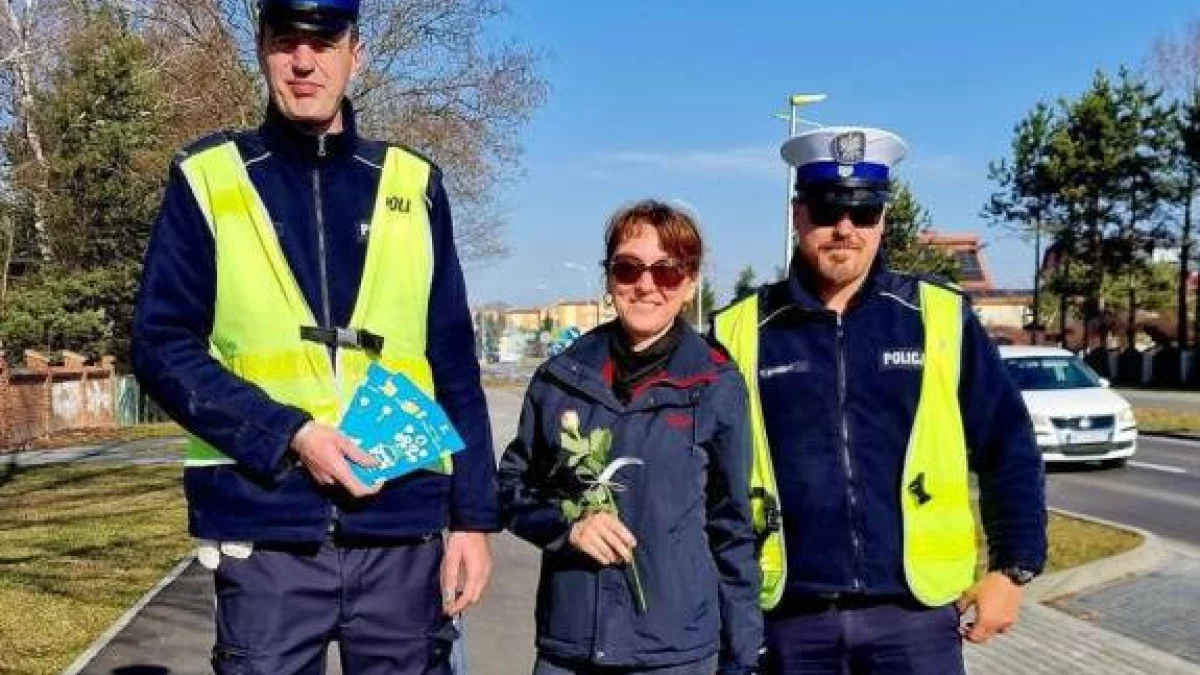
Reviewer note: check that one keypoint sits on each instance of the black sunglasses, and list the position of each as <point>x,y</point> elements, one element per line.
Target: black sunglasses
<point>827,214</point>
<point>668,274</point>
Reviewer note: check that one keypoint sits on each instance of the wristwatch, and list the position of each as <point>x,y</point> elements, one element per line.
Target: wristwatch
<point>1017,574</point>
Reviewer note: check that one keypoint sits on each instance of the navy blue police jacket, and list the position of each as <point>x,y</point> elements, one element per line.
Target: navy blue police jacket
<point>840,500</point>
<point>266,495</point>
<point>687,506</point>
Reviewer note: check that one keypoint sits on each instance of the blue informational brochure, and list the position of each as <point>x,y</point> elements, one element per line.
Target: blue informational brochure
<point>390,418</point>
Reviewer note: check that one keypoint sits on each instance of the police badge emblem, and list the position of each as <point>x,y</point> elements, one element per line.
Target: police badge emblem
<point>849,148</point>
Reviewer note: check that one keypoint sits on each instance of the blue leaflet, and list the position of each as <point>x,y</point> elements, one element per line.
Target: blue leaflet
<point>397,423</point>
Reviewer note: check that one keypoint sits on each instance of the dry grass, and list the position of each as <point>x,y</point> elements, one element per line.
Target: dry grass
<point>64,439</point>
<point>1167,421</point>
<point>1074,542</point>
<point>78,546</point>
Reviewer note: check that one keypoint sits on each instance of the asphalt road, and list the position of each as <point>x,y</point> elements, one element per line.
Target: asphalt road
<point>1158,491</point>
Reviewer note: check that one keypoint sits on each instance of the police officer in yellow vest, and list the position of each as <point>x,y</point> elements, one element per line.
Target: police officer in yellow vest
<point>873,395</point>
<point>284,261</point>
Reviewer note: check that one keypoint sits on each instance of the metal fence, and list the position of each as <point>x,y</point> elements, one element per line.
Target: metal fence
<point>133,406</point>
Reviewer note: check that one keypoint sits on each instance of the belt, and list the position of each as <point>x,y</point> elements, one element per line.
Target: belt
<point>344,541</point>
<point>826,602</point>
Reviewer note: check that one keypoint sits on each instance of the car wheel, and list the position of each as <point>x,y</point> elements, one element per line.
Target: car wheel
<point>1113,463</point>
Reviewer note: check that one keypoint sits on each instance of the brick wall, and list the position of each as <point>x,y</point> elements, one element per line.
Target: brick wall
<point>40,399</point>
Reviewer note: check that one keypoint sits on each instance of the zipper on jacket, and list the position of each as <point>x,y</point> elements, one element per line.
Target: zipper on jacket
<point>321,237</point>
<point>855,540</point>
<point>325,312</point>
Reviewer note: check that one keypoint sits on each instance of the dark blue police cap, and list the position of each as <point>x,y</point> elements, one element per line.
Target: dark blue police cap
<point>323,17</point>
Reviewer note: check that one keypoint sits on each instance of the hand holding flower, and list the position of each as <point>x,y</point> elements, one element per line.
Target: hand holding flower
<point>604,537</point>
<point>596,528</point>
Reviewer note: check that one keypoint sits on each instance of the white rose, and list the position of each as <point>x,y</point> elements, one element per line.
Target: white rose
<point>570,422</point>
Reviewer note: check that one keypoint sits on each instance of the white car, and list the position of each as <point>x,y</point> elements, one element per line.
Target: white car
<point>1076,416</point>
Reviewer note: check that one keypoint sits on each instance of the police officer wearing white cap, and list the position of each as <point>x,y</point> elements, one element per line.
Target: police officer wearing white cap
<point>873,395</point>
<point>285,260</point>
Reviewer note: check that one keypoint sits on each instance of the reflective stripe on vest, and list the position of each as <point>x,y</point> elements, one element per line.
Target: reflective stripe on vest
<point>260,307</point>
<point>939,528</point>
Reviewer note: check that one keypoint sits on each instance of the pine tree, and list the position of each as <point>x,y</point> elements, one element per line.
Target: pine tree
<point>746,283</point>
<point>1147,137</point>
<point>904,223</point>
<point>1025,195</point>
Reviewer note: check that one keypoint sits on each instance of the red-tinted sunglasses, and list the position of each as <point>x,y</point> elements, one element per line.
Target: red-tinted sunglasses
<point>668,274</point>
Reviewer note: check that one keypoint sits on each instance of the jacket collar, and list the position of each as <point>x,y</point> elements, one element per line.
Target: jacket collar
<point>586,365</point>
<point>802,285</point>
<point>283,136</point>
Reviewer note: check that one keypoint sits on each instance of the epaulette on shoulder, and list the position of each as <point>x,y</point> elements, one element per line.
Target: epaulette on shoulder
<point>773,296</point>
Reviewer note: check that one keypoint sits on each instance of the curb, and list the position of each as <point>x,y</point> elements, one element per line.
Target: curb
<point>130,614</point>
<point>1145,557</point>
<point>1178,436</point>
<point>82,450</point>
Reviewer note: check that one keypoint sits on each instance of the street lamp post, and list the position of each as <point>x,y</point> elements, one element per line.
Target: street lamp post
<point>1034,334</point>
<point>795,101</point>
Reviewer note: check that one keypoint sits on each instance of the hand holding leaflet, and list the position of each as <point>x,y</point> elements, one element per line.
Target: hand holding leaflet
<point>391,419</point>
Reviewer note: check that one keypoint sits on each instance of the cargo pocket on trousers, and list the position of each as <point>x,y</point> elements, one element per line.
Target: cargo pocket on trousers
<point>441,644</point>
<point>228,660</point>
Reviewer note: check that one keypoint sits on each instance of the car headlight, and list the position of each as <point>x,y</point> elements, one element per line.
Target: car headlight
<point>1042,423</point>
<point>1125,417</point>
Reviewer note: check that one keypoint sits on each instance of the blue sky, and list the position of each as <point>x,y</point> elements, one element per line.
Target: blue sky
<point>675,100</point>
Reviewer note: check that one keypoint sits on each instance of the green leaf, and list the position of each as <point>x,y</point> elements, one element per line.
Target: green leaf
<point>593,464</point>
<point>573,444</point>
<point>571,511</point>
<point>600,442</point>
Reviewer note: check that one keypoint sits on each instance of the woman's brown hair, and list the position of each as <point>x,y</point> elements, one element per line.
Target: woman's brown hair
<point>678,233</point>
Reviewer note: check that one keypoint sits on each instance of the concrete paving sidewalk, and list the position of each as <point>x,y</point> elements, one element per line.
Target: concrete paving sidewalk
<point>1050,642</point>
<point>1160,608</point>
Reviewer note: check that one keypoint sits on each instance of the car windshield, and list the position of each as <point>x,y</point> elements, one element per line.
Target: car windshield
<point>1033,373</point>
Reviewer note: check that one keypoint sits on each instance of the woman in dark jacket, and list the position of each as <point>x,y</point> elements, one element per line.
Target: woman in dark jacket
<point>630,472</point>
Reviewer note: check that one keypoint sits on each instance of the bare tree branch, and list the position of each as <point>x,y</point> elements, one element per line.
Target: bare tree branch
<point>19,63</point>
<point>8,239</point>
<point>1175,60</point>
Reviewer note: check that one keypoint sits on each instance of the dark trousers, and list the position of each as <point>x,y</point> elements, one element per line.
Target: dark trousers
<point>871,639</point>
<point>278,610</point>
<point>548,666</point>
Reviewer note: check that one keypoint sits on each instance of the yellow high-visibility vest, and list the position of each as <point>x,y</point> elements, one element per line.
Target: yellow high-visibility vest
<point>934,493</point>
<point>260,307</point>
